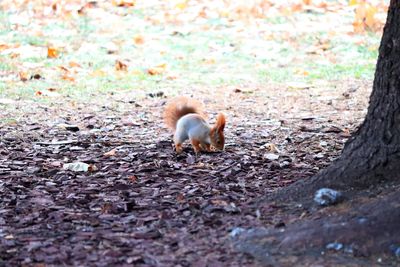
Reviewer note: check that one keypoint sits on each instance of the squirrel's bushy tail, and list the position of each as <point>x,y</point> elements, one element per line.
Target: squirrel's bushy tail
<point>179,107</point>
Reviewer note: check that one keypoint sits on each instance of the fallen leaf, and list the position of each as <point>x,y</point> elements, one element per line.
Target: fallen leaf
<point>181,5</point>
<point>180,198</point>
<point>219,202</point>
<point>172,77</point>
<point>52,52</point>
<point>73,64</point>
<point>302,72</point>
<point>92,168</point>
<point>120,66</point>
<point>138,39</point>
<point>4,47</point>
<point>106,208</point>
<point>98,73</point>
<point>23,76</point>
<point>157,70</point>
<point>67,78</point>
<point>353,2</point>
<point>271,148</point>
<point>133,178</point>
<point>110,153</point>
<point>124,3</point>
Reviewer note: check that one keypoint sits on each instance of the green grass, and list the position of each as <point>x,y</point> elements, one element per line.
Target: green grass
<point>219,56</point>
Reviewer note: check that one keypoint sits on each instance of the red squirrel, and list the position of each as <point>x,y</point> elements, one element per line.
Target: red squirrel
<point>186,118</point>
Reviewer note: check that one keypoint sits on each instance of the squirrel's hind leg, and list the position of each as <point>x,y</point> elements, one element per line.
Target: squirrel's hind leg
<point>179,138</point>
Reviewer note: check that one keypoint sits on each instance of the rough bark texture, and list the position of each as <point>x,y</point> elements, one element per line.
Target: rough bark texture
<point>372,155</point>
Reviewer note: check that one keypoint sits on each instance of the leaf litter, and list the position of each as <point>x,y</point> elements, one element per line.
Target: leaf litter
<point>143,204</point>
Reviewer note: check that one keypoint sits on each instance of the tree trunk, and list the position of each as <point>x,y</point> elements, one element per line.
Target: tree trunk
<point>372,155</point>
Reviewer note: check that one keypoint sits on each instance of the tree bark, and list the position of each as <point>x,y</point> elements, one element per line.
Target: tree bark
<point>372,155</point>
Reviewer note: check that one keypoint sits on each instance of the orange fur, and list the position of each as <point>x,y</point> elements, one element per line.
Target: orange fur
<point>217,132</point>
<point>196,145</point>
<point>221,121</point>
<point>179,107</point>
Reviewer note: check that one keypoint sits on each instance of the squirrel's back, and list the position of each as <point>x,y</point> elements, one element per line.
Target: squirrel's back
<point>179,107</point>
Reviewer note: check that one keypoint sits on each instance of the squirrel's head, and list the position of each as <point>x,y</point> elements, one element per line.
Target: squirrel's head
<point>217,132</point>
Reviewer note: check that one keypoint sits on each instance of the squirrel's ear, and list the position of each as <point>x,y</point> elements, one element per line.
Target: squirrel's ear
<point>221,120</point>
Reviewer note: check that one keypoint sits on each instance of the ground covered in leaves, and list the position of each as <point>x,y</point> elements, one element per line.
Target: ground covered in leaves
<point>139,203</point>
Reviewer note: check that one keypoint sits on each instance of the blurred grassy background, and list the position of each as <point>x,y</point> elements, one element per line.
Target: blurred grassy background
<point>87,49</point>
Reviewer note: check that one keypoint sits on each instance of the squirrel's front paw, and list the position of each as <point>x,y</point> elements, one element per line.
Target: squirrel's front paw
<point>178,148</point>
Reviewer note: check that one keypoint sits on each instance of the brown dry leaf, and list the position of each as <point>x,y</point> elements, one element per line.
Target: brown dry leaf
<point>302,72</point>
<point>323,5</point>
<point>67,77</point>
<point>124,3</point>
<point>52,89</point>
<point>92,168</point>
<point>297,7</point>
<point>138,39</point>
<point>358,27</point>
<point>98,73</point>
<point>110,153</point>
<point>157,70</point>
<point>370,20</point>
<point>120,66</point>
<point>63,68</point>
<point>52,52</point>
<point>106,208</point>
<point>219,202</point>
<point>23,76</point>
<point>180,198</point>
<point>271,148</point>
<point>133,178</point>
<point>73,64</point>
<point>4,47</point>
<point>346,132</point>
<point>172,77</point>
<point>365,18</point>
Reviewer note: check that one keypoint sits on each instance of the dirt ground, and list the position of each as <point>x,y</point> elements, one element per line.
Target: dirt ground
<point>140,204</point>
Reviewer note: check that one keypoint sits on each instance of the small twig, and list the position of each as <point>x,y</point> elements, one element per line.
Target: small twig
<point>57,143</point>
